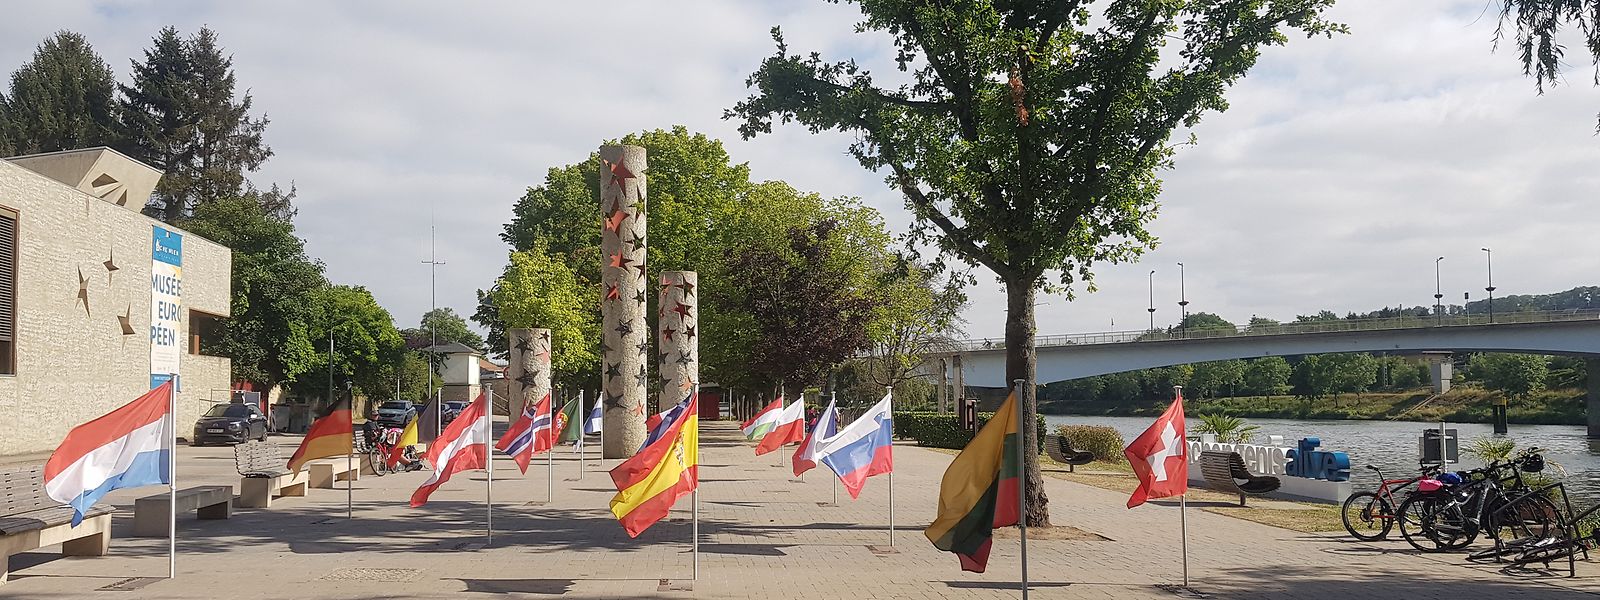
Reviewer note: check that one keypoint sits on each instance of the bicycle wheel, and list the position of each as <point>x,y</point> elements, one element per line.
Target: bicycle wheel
<point>1433,523</point>
<point>376,461</point>
<point>1547,551</point>
<point>1367,516</point>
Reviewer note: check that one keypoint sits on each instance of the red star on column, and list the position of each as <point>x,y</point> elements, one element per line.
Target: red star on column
<point>612,293</point>
<point>639,410</point>
<point>614,222</point>
<point>665,284</point>
<point>666,334</point>
<point>619,261</point>
<point>543,357</point>
<point>619,173</point>
<point>682,310</point>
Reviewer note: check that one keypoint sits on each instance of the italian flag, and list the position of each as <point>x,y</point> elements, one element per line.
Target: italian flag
<point>776,426</point>
<point>979,491</point>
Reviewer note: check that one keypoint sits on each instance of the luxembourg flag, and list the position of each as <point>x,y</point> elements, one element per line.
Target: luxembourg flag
<point>128,447</point>
<point>530,434</point>
<point>862,449</point>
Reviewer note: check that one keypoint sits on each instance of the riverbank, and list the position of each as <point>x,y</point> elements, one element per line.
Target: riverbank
<point>1461,405</point>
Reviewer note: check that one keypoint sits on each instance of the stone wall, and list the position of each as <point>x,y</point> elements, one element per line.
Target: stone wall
<point>75,364</point>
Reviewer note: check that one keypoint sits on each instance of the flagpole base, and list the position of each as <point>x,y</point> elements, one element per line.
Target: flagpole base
<point>882,550</point>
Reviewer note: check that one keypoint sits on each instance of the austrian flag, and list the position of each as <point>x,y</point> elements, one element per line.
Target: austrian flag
<point>1160,457</point>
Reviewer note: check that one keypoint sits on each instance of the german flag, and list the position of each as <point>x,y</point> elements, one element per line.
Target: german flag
<point>329,436</point>
<point>652,481</point>
<point>979,491</point>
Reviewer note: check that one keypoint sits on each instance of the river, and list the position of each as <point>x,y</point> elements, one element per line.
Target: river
<point>1392,445</point>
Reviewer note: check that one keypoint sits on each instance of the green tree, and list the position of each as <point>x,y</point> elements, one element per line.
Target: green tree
<point>444,325</point>
<point>1030,136</point>
<point>1202,321</point>
<point>367,349</point>
<point>916,315</point>
<point>6,146</point>
<point>538,290</point>
<point>62,99</point>
<point>1267,376</point>
<point>183,116</point>
<point>275,290</point>
<point>810,304</point>
<point>1121,387</point>
<point>1515,375</point>
<point>1217,378</point>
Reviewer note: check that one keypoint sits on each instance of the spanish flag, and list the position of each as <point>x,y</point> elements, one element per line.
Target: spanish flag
<point>663,471</point>
<point>979,491</point>
<point>329,436</point>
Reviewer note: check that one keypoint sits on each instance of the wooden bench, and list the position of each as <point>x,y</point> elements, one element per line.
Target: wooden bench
<point>207,501</point>
<point>1224,472</point>
<point>266,476</point>
<point>30,520</point>
<point>1061,451</point>
<point>326,471</point>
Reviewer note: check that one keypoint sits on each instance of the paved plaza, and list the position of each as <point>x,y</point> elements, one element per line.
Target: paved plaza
<point>763,536</point>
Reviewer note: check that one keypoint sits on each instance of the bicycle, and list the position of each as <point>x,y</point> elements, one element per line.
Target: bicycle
<point>1480,501</point>
<point>1363,511</point>
<point>1569,541</point>
<point>382,444</point>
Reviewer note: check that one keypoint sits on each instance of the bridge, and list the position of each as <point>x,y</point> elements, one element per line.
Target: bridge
<point>1064,357</point>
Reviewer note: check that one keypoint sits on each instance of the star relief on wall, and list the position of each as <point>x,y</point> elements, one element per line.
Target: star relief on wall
<point>83,290</point>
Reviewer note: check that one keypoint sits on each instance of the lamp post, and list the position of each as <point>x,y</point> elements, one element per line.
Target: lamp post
<point>1488,255</point>
<point>1152,299</point>
<point>1183,304</point>
<point>1438,295</point>
<point>433,263</point>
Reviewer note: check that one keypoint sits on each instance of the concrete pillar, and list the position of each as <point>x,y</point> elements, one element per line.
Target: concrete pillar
<point>1592,366</point>
<point>528,368</point>
<point>625,344</point>
<point>944,384</point>
<point>678,322</point>
<point>958,390</point>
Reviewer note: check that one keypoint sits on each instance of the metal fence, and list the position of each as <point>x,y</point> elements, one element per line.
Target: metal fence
<point>1292,328</point>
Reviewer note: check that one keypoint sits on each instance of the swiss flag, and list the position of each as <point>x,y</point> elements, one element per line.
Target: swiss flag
<point>1160,457</point>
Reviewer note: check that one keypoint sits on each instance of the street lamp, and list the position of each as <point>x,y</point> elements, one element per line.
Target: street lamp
<point>1183,303</point>
<point>1489,256</point>
<point>1152,299</point>
<point>1438,296</point>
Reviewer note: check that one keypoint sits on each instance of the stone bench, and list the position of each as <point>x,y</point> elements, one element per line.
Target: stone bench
<point>260,491</point>
<point>207,501</point>
<point>326,471</point>
<point>30,520</point>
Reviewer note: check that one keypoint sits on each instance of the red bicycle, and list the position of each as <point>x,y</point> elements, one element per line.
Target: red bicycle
<point>1369,516</point>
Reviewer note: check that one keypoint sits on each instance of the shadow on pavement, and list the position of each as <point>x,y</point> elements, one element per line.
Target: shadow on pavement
<point>1286,581</point>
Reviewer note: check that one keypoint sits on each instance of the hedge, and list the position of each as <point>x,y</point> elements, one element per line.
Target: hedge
<point>943,430</point>
<point>1104,442</point>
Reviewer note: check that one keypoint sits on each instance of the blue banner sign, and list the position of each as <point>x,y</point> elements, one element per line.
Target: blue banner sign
<point>1307,461</point>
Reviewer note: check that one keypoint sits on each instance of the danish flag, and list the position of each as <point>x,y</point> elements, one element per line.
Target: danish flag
<point>1160,457</point>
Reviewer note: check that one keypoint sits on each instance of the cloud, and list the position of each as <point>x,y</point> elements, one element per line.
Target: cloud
<point>1341,170</point>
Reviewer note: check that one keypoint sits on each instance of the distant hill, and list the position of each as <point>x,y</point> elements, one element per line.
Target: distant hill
<point>1578,298</point>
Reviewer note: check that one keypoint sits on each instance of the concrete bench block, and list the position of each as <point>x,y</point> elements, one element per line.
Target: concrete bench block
<point>323,473</point>
<point>208,501</point>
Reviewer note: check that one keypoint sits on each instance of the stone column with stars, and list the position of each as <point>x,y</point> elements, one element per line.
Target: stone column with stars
<point>678,346</point>
<point>625,342</point>
<point>528,368</point>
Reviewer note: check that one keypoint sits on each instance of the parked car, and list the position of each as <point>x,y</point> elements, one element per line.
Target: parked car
<point>452,409</point>
<point>229,424</point>
<point>395,413</point>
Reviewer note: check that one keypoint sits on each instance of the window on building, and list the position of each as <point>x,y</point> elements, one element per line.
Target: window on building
<point>205,331</point>
<point>8,291</point>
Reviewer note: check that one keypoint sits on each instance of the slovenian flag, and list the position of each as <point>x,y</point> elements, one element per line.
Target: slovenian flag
<point>128,447</point>
<point>862,449</point>
<point>980,490</point>
<point>650,482</point>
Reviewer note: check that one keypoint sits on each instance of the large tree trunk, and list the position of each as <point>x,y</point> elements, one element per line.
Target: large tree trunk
<point>1022,364</point>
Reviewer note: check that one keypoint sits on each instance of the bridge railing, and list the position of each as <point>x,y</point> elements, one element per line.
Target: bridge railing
<point>1290,328</point>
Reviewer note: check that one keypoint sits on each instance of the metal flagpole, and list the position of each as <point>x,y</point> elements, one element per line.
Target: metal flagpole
<point>833,398</point>
<point>349,458</point>
<point>891,470</point>
<point>172,476</point>
<point>488,465</point>
<point>583,427</point>
<point>550,453</point>
<point>695,496</point>
<point>1183,506</point>
<point>1022,474</point>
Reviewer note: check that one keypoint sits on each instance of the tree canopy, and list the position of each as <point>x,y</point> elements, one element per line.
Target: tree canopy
<point>60,100</point>
<point>1029,138</point>
<point>539,290</point>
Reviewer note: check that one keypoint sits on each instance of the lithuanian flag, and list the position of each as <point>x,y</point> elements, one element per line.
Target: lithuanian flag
<point>979,491</point>
<point>652,481</point>
<point>329,436</point>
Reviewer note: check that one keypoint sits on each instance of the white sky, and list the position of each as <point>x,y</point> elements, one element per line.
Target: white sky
<point>1342,169</point>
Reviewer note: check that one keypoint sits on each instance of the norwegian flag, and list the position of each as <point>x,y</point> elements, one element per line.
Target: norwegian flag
<point>530,434</point>
<point>1160,457</point>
